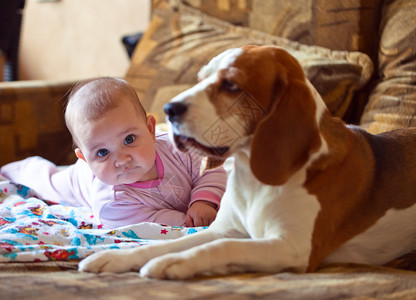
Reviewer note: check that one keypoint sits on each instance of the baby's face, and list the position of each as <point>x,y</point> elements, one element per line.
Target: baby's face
<point>119,147</point>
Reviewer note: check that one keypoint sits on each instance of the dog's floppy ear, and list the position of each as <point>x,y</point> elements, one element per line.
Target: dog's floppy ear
<point>284,139</point>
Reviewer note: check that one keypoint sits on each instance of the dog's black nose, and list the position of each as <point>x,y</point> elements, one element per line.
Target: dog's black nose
<point>174,110</point>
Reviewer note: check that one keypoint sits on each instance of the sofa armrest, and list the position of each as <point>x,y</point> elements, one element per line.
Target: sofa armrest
<point>32,122</point>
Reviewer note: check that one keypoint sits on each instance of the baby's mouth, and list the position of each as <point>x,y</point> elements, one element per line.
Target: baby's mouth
<point>127,169</point>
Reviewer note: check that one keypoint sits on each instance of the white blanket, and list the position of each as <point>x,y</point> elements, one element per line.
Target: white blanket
<point>32,229</point>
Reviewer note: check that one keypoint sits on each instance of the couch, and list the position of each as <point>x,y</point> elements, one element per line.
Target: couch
<point>359,54</point>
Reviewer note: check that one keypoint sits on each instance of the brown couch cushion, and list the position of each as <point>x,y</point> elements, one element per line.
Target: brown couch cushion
<point>336,24</point>
<point>32,123</point>
<point>392,103</point>
<point>180,40</point>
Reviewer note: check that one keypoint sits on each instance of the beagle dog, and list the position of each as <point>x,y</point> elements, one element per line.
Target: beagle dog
<point>305,189</point>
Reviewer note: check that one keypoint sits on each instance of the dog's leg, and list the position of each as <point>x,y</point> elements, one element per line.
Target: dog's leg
<point>229,256</point>
<point>124,260</point>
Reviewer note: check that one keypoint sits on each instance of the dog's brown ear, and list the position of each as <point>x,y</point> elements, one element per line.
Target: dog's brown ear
<point>285,137</point>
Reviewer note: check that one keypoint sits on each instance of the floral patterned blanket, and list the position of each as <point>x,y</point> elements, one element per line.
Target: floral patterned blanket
<point>32,229</point>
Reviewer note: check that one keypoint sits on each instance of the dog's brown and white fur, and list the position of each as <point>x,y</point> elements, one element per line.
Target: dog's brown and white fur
<point>305,188</point>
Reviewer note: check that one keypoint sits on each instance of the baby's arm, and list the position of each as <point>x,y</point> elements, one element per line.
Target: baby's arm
<point>131,208</point>
<point>206,197</point>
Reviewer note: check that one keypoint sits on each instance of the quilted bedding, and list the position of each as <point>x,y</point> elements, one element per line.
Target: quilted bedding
<point>33,230</point>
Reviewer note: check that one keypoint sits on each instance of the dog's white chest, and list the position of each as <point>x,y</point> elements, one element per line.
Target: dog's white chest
<point>260,210</point>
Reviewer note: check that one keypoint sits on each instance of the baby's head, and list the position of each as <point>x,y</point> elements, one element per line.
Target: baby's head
<point>111,130</point>
<point>90,99</point>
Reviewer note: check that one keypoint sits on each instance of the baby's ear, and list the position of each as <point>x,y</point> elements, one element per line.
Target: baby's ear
<point>151,124</point>
<point>79,154</point>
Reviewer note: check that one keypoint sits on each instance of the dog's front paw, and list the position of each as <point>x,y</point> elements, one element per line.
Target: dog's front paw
<point>169,266</point>
<point>114,261</point>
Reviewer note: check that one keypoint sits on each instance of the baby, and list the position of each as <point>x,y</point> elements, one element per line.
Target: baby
<point>126,172</point>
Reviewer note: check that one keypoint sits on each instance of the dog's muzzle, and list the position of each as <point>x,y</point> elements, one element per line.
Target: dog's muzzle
<point>175,112</point>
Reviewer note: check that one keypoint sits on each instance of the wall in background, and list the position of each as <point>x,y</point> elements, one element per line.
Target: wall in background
<point>76,39</point>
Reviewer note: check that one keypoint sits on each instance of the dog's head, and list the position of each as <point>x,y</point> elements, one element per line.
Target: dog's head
<point>251,94</point>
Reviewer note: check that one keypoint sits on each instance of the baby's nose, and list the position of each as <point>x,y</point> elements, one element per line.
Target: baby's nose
<point>123,160</point>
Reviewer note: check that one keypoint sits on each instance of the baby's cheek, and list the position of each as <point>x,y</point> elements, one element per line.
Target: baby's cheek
<point>105,173</point>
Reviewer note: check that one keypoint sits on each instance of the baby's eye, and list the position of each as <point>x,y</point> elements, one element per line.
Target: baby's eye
<point>129,139</point>
<point>102,152</point>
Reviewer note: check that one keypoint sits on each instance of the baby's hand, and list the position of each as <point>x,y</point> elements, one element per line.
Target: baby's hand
<point>201,213</point>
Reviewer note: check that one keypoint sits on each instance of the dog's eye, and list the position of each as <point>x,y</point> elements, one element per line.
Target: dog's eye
<point>230,86</point>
